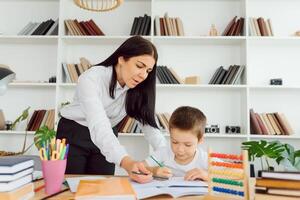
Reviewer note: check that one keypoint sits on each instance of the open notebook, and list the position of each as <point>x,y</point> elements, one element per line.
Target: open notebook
<point>175,187</point>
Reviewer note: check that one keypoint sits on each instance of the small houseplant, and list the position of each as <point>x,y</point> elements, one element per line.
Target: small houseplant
<point>43,135</point>
<point>283,154</point>
<point>22,117</point>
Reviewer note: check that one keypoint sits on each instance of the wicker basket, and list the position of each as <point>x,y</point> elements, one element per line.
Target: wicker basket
<point>98,5</point>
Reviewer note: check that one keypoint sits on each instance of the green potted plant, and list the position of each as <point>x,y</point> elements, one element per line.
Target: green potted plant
<point>22,117</point>
<point>283,154</point>
<point>43,135</point>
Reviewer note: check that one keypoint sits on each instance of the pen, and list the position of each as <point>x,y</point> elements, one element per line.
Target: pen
<point>39,188</point>
<point>52,195</point>
<point>156,177</point>
<point>159,163</point>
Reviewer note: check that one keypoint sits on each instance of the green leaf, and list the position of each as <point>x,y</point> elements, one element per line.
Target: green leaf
<point>22,117</point>
<point>258,149</point>
<point>43,135</point>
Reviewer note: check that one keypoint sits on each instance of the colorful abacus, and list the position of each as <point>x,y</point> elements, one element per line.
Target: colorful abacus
<point>228,177</point>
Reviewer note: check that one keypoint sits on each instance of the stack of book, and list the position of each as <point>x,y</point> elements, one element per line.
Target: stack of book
<point>74,27</point>
<point>235,27</point>
<point>48,27</point>
<point>163,120</point>
<point>167,75</point>
<point>166,26</point>
<point>282,184</point>
<point>71,72</point>
<point>129,125</point>
<point>141,25</point>
<point>16,178</point>
<point>269,124</point>
<point>260,27</point>
<point>41,118</point>
<point>229,76</point>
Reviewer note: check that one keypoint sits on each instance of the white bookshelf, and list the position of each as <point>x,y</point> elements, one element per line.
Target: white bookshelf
<point>37,58</point>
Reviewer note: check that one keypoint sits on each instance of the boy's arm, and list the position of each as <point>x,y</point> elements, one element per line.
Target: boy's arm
<point>196,173</point>
<point>153,170</point>
<point>158,171</point>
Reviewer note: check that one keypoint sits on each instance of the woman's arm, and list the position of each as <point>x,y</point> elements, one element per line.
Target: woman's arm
<point>89,94</point>
<point>154,136</point>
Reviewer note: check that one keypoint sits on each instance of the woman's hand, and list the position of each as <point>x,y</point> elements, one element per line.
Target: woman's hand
<point>163,172</point>
<point>196,173</point>
<point>136,170</point>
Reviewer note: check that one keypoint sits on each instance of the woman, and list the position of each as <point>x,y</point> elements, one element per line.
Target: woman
<point>123,84</point>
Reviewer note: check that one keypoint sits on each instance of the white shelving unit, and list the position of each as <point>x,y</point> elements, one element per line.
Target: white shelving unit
<point>36,58</point>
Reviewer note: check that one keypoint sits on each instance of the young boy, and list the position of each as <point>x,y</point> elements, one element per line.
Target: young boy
<point>183,157</point>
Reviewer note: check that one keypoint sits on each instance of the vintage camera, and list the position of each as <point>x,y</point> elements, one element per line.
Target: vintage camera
<point>276,81</point>
<point>212,128</point>
<point>232,129</point>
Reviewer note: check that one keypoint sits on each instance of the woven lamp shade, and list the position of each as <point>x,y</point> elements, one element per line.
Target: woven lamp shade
<point>98,5</point>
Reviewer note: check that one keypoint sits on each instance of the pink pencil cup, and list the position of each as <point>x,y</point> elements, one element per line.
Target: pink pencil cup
<point>53,173</point>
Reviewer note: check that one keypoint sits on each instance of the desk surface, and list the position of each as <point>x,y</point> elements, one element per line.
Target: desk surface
<point>68,195</point>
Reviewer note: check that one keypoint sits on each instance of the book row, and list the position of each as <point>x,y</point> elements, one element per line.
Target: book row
<point>48,27</point>
<point>229,76</point>
<point>260,27</point>
<point>75,27</point>
<point>41,118</point>
<point>269,124</point>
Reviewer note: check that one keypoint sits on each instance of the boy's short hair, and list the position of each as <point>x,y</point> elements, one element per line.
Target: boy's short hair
<point>189,119</point>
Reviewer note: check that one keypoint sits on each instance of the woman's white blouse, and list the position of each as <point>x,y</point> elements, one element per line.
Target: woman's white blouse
<point>93,107</point>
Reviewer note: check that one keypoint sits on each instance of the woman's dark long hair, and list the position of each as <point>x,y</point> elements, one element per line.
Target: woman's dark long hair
<point>140,101</point>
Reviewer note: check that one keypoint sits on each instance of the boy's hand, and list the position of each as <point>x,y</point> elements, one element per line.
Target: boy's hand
<point>196,173</point>
<point>163,172</point>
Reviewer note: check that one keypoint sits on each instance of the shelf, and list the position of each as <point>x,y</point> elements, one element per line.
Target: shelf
<point>19,84</point>
<point>217,40</point>
<point>274,136</point>
<point>274,40</point>
<point>168,135</point>
<point>28,39</point>
<point>96,39</point>
<point>204,86</point>
<point>17,132</point>
<point>225,135</point>
<point>274,87</point>
<point>179,86</point>
<point>69,85</point>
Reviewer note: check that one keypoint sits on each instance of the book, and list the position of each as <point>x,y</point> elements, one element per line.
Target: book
<point>285,175</point>
<point>24,192</point>
<point>54,29</point>
<point>286,192</point>
<point>6,177</point>
<point>109,188</point>
<point>277,183</point>
<point>134,24</point>
<point>12,185</point>
<point>273,197</point>
<point>175,187</point>
<point>13,164</point>
<point>2,120</point>
<point>229,26</point>
<point>254,123</point>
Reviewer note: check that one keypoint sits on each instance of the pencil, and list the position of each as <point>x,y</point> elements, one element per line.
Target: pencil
<point>159,163</point>
<point>156,177</point>
<point>52,195</point>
